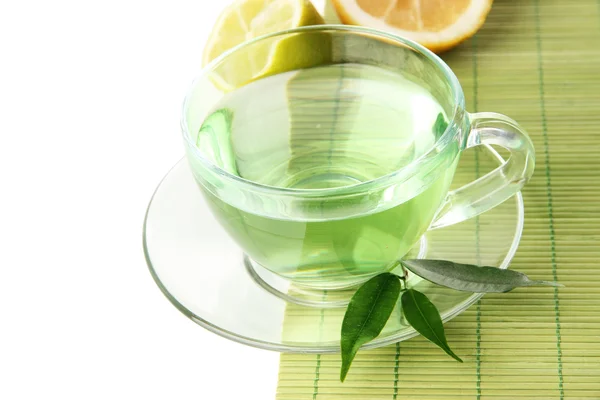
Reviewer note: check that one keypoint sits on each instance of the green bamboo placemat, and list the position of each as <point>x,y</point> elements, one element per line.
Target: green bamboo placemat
<point>538,62</point>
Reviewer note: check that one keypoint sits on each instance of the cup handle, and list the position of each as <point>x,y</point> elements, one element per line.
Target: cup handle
<point>499,185</point>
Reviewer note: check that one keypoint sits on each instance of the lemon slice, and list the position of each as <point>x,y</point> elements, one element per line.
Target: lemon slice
<point>436,24</point>
<point>247,19</point>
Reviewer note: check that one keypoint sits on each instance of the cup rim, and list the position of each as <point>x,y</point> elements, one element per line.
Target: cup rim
<point>381,181</point>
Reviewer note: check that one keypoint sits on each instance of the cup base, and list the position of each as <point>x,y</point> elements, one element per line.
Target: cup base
<point>302,295</point>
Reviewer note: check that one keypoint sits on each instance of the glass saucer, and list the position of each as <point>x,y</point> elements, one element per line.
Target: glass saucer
<point>204,273</point>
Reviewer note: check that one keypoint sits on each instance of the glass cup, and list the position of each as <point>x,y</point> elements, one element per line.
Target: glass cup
<point>359,164</point>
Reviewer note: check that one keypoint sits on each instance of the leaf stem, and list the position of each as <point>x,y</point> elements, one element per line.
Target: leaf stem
<point>404,271</point>
<point>403,287</point>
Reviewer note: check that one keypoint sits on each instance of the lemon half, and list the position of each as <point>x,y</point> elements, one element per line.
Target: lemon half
<point>247,19</point>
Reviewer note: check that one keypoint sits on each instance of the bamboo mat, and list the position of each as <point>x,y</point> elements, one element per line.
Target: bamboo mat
<point>537,61</point>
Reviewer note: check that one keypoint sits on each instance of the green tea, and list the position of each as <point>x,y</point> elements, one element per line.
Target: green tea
<point>324,128</point>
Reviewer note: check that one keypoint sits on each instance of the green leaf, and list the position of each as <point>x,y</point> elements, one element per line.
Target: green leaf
<point>425,318</point>
<point>471,278</point>
<point>440,125</point>
<point>366,315</point>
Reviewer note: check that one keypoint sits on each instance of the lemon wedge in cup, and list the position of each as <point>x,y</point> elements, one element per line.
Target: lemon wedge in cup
<point>247,19</point>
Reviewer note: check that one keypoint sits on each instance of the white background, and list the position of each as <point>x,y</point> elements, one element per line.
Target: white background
<point>90,96</point>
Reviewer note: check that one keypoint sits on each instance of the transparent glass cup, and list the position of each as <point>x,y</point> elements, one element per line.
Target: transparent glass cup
<point>337,237</point>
